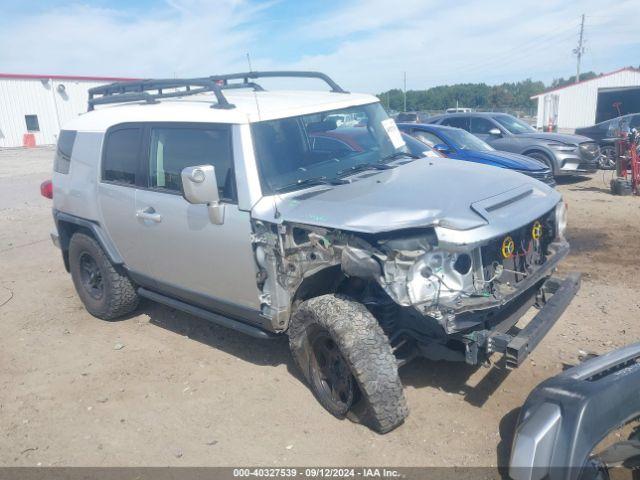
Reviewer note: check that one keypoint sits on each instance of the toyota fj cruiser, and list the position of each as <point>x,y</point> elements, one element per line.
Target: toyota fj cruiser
<point>218,198</point>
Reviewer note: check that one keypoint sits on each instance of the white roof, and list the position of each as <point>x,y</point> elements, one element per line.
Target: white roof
<point>249,107</point>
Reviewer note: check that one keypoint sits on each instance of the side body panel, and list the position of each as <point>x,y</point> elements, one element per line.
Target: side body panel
<point>186,249</point>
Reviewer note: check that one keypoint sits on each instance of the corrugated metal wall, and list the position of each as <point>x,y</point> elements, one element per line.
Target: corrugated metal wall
<point>577,104</point>
<point>20,97</point>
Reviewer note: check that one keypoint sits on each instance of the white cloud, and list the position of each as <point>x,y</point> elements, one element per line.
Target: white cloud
<point>491,41</point>
<point>183,37</point>
<point>365,44</point>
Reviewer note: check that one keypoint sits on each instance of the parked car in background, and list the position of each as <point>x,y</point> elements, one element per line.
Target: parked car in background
<point>345,140</point>
<point>563,154</point>
<point>408,117</point>
<point>605,134</point>
<point>459,110</point>
<point>461,145</point>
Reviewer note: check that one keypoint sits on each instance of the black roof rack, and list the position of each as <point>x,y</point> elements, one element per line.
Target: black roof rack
<point>152,90</point>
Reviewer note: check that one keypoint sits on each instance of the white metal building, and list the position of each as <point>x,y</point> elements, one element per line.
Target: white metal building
<point>590,101</point>
<point>33,107</point>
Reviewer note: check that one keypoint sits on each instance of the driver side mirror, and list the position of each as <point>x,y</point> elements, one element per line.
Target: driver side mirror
<point>495,132</point>
<point>442,148</point>
<point>200,187</point>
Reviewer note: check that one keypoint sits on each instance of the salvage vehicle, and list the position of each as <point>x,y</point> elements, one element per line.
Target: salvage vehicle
<point>459,144</point>
<point>209,196</point>
<point>564,154</point>
<point>567,416</point>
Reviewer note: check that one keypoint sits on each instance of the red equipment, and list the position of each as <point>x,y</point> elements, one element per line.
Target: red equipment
<point>627,165</point>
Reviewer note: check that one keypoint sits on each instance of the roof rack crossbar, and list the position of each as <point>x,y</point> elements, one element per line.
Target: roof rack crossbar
<point>151,90</point>
<point>246,76</point>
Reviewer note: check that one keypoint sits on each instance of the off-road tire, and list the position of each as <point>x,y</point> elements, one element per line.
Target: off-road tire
<point>119,294</point>
<point>364,347</point>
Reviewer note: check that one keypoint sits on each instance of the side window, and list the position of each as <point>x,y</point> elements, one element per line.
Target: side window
<point>62,160</point>
<point>458,122</point>
<point>481,125</point>
<point>427,137</point>
<point>121,154</point>
<point>32,123</point>
<point>173,149</point>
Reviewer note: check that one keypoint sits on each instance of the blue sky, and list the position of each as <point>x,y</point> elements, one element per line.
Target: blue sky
<point>366,45</point>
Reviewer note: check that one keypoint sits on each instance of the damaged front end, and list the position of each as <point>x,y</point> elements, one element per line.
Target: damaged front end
<point>452,302</point>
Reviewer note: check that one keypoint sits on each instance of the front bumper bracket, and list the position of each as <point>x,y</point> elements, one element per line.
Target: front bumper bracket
<point>517,347</point>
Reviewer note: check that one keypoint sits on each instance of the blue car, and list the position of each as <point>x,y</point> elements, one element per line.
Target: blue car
<point>461,145</point>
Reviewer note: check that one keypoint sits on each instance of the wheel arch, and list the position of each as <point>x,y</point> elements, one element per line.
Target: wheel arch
<point>67,225</point>
<point>544,152</point>
<point>322,282</point>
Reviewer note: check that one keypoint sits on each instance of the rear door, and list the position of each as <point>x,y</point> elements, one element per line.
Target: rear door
<point>120,176</point>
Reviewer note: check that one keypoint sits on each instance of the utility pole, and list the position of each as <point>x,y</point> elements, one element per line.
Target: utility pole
<point>579,50</point>
<point>404,92</point>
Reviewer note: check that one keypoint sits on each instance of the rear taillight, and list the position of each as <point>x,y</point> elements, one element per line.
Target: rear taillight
<point>46,189</point>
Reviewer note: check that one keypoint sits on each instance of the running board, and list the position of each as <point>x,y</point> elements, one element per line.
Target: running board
<point>207,315</point>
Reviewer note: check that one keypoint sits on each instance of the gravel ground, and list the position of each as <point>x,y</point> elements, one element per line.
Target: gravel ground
<point>163,388</point>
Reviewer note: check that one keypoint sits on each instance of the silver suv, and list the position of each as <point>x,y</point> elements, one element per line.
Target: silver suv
<point>255,210</point>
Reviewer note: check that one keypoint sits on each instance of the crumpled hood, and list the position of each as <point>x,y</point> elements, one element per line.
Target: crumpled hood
<point>434,192</point>
<point>557,137</point>
<point>502,159</point>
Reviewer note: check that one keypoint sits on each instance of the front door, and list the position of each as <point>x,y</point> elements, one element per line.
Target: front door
<point>187,255</point>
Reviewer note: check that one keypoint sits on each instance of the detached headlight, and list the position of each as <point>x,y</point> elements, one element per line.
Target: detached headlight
<point>561,219</point>
<point>561,147</point>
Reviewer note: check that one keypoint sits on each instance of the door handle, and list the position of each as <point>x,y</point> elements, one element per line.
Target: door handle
<point>149,213</point>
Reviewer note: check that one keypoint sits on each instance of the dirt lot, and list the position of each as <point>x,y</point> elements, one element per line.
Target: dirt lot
<point>183,392</point>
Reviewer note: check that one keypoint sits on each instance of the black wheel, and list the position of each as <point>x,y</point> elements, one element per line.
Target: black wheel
<point>105,291</point>
<point>347,360</point>
<point>542,158</point>
<point>607,159</point>
<point>330,375</point>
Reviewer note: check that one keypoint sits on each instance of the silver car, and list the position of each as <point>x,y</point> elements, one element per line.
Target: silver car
<point>564,154</point>
<point>253,210</point>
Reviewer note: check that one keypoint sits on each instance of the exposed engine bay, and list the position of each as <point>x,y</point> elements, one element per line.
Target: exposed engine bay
<point>404,277</point>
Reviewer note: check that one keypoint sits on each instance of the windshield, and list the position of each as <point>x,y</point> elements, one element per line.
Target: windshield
<point>324,146</point>
<point>463,140</point>
<point>513,125</point>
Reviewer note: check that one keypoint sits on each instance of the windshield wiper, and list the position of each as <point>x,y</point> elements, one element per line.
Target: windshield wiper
<point>396,155</point>
<point>308,182</point>
<point>361,167</point>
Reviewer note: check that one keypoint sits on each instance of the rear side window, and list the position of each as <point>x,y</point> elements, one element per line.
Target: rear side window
<point>120,161</point>
<point>173,149</point>
<point>62,160</point>
<point>458,122</point>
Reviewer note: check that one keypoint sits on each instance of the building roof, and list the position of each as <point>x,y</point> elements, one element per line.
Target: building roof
<point>249,107</point>
<point>35,76</point>
<point>625,69</point>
